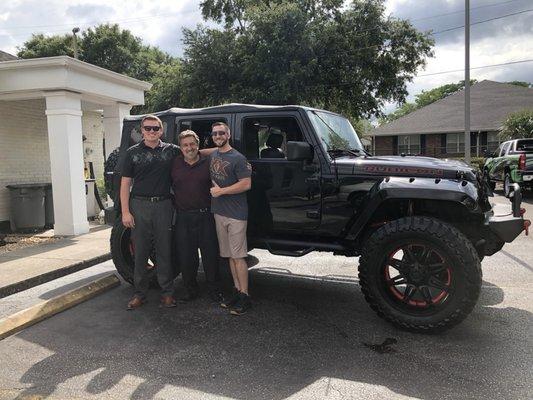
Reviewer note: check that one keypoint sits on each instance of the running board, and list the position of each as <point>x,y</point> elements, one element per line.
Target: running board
<point>306,247</point>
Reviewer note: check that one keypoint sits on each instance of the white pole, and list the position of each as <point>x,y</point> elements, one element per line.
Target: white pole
<point>467,81</point>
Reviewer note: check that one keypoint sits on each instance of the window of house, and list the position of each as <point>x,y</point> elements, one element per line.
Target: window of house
<point>267,137</point>
<point>202,127</point>
<point>409,144</point>
<point>455,143</point>
<point>492,141</point>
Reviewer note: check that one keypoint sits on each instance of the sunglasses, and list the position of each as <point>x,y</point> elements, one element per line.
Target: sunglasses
<point>218,133</point>
<point>151,128</point>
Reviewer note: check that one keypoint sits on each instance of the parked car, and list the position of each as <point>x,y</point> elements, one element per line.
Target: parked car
<point>420,225</point>
<point>511,162</point>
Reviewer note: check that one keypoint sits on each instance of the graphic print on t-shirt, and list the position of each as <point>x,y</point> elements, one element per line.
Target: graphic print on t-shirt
<point>219,169</point>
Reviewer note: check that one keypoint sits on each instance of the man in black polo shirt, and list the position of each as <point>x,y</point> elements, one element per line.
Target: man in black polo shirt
<point>148,209</point>
<point>195,227</point>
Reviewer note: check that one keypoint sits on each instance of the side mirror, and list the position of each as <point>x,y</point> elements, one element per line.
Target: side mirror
<point>298,151</point>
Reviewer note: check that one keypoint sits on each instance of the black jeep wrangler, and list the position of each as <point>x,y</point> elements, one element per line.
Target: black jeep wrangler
<point>420,225</point>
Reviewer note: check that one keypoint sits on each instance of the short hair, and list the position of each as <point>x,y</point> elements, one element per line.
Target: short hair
<point>226,127</point>
<point>151,117</point>
<point>188,133</point>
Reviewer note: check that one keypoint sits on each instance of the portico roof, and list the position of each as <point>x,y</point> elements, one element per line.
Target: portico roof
<point>33,78</point>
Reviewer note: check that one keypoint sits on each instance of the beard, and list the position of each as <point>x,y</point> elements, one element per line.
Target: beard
<point>221,144</point>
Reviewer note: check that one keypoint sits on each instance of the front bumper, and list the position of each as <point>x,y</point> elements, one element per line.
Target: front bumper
<point>508,227</point>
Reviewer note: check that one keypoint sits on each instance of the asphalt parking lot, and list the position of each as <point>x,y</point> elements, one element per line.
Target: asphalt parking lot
<point>310,335</point>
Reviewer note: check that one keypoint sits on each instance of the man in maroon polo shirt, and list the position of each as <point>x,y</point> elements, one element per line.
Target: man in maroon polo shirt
<point>195,227</point>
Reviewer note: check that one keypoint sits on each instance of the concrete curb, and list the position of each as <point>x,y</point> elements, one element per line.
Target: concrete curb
<point>50,276</point>
<point>22,319</point>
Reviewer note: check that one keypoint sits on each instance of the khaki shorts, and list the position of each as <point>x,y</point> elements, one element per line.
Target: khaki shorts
<point>231,237</point>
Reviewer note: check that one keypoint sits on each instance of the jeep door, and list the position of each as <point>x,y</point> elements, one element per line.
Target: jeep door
<point>285,195</point>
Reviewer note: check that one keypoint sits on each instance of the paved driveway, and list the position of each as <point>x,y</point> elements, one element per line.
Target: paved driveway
<point>304,339</point>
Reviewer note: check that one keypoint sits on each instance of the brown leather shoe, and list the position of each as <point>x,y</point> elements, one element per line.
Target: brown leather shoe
<point>167,302</point>
<point>135,302</point>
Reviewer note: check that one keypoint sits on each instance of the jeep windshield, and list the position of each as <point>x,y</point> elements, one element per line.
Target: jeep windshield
<point>336,134</point>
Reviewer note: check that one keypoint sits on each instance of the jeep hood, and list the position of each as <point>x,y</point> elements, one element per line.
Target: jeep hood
<point>410,166</point>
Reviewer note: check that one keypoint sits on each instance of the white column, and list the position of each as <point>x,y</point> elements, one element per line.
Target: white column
<point>63,113</point>
<point>113,117</point>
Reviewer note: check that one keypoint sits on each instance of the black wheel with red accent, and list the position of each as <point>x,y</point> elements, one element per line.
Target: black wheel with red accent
<point>122,253</point>
<point>420,273</point>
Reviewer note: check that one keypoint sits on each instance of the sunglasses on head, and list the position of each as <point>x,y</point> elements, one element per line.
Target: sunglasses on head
<point>151,128</point>
<point>218,133</point>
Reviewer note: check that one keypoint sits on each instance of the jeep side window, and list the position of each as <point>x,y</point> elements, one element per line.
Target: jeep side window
<point>267,137</point>
<point>202,127</point>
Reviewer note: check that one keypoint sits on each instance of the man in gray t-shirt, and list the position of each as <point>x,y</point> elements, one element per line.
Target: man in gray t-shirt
<point>231,176</point>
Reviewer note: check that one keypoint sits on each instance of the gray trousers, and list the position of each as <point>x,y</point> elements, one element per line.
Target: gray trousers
<point>153,226</point>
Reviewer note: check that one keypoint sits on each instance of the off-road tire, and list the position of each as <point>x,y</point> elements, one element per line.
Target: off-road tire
<point>461,264</point>
<point>109,166</point>
<point>121,254</point>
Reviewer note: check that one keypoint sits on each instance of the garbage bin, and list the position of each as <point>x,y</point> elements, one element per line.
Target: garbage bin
<point>27,206</point>
<point>48,206</point>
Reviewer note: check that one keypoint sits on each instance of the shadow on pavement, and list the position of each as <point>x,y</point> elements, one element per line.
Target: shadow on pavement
<point>300,333</point>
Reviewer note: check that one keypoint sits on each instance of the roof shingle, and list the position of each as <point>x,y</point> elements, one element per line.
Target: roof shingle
<point>490,104</point>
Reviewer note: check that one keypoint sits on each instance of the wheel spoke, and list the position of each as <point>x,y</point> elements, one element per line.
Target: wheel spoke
<point>426,295</point>
<point>397,280</point>
<point>400,265</point>
<point>436,268</point>
<point>409,253</point>
<point>438,284</point>
<point>409,292</point>
<point>425,255</point>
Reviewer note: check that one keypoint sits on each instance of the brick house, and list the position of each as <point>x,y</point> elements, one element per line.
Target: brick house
<point>437,130</point>
<point>58,114</point>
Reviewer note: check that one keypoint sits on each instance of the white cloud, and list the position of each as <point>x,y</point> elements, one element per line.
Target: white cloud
<point>160,24</point>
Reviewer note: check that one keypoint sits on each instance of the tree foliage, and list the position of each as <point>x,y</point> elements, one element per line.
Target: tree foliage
<point>107,46</point>
<point>518,125</point>
<point>313,52</point>
<point>47,46</point>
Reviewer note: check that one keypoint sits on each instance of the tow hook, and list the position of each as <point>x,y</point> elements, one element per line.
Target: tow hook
<point>527,224</point>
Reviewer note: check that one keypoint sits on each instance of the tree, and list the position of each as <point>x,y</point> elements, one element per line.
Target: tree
<point>518,125</point>
<point>425,98</point>
<point>313,52</point>
<point>43,46</point>
<point>107,46</point>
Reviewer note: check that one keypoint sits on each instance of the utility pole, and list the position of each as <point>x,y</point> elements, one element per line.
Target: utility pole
<point>467,82</point>
<point>75,41</point>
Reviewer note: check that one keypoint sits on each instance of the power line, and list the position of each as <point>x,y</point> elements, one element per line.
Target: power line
<point>480,67</point>
<point>462,11</point>
<point>482,22</point>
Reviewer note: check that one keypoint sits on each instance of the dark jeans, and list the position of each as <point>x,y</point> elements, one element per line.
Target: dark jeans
<point>196,230</point>
<point>153,226</point>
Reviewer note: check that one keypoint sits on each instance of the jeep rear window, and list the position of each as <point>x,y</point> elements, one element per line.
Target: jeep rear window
<point>525,146</point>
<point>202,127</point>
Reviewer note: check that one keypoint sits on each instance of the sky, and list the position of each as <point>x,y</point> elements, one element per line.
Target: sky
<point>504,39</point>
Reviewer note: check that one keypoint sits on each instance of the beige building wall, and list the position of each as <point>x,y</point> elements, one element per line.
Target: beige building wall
<point>24,152</point>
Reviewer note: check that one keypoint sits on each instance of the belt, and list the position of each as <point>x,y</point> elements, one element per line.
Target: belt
<point>151,199</point>
<point>198,210</point>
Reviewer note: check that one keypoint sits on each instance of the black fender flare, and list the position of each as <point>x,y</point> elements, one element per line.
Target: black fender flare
<point>458,191</point>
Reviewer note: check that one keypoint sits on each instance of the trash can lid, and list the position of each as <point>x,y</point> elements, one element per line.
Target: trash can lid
<point>28,186</point>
